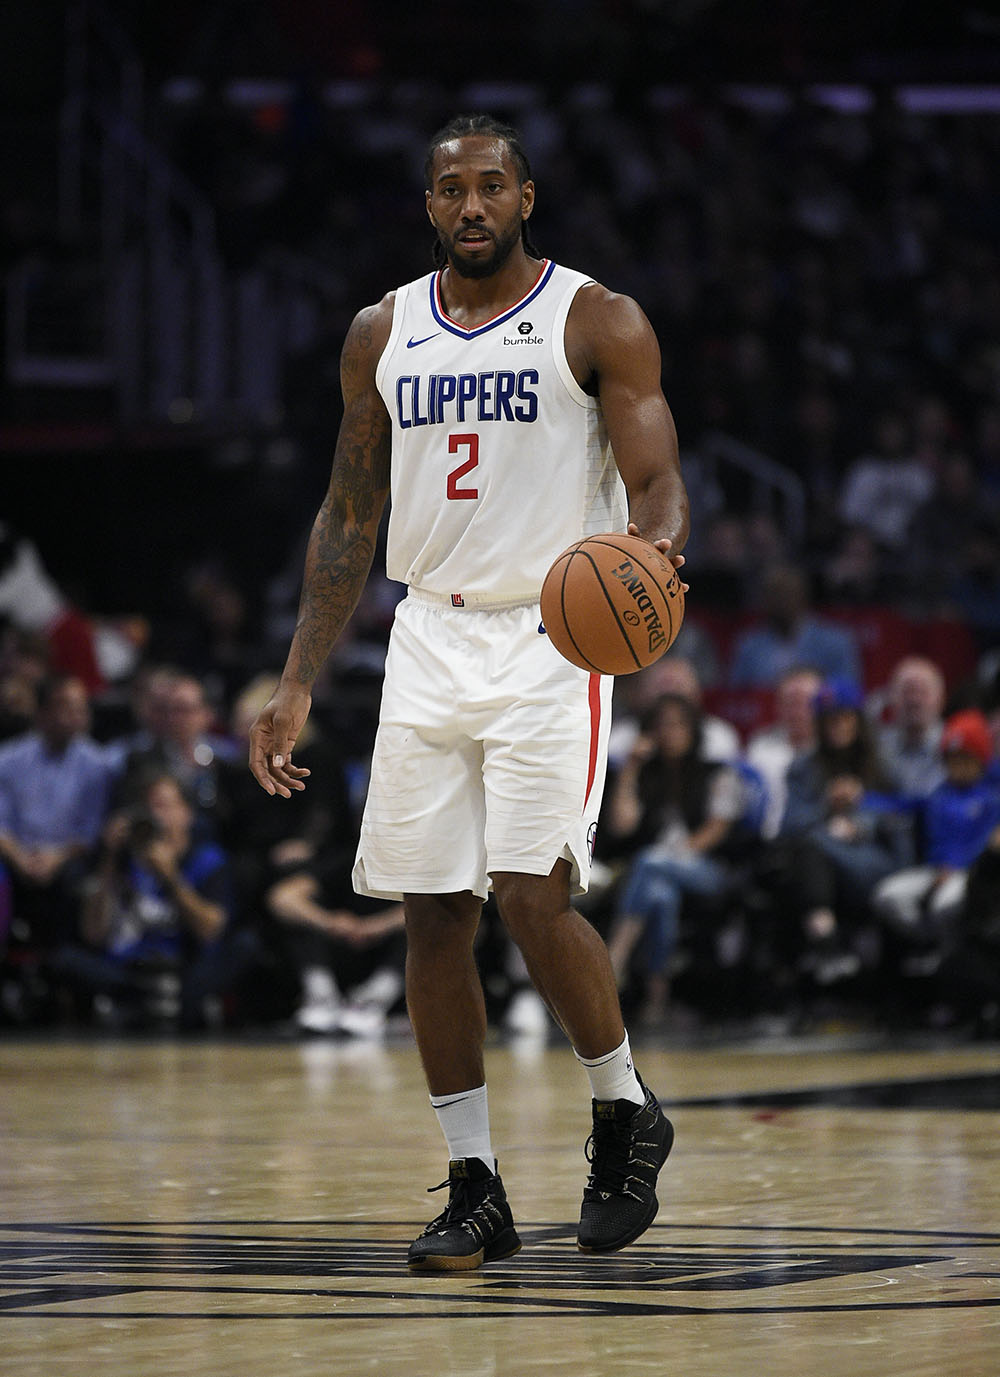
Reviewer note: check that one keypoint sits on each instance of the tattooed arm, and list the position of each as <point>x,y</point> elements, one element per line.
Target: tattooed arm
<point>340,552</point>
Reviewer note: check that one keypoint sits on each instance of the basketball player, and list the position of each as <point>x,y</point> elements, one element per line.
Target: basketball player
<point>510,407</point>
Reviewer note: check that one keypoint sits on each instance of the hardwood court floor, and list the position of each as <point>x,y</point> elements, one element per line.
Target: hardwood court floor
<point>239,1209</point>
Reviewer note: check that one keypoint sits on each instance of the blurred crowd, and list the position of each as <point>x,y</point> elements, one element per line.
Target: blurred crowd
<point>841,852</point>
<point>824,279</point>
<point>804,799</point>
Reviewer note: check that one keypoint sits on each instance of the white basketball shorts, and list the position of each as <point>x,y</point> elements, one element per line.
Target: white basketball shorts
<point>490,755</point>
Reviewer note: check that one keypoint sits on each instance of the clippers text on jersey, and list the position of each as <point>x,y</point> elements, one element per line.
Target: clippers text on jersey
<point>444,398</point>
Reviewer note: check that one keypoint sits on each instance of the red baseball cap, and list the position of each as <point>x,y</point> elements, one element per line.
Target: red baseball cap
<point>968,731</point>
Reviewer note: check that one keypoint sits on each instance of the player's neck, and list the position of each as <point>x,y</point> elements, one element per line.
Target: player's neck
<point>473,300</point>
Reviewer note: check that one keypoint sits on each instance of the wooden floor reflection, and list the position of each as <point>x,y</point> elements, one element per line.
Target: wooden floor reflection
<point>234,1210</point>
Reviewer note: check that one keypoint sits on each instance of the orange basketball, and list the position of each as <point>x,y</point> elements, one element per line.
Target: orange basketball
<point>612,604</point>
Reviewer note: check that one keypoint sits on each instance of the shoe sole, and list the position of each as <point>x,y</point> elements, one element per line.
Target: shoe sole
<point>646,1220</point>
<point>505,1245</point>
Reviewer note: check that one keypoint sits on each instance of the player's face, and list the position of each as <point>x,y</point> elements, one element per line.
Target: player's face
<point>476,204</point>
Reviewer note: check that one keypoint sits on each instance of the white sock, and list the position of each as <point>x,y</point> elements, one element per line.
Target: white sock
<point>465,1123</point>
<point>612,1077</point>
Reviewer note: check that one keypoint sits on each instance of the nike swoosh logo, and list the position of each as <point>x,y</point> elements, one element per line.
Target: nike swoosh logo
<point>412,343</point>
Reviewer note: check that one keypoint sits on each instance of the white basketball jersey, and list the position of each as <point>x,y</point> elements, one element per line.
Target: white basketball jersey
<point>499,458</point>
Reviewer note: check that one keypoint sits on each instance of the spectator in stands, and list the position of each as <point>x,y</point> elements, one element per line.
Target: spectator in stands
<point>910,742</point>
<point>921,903</point>
<point>150,706</point>
<point>941,532</point>
<point>676,674</point>
<point>670,815</point>
<point>54,789</point>
<point>348,951</point>
<point>840,834</point>
<point>845,747</point>
<point>696,644</point>
<point>772,750</point>
<point>885,487</point>
<point>94,651</point>
<point>25,654</point>
<point>856,571</point>
<point>791,635</point>
<point>18,705</point>
<point>189,749</point>
<point>157,938</point>
<point>35,604</point>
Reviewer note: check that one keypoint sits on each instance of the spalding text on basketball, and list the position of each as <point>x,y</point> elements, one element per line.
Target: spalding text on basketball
<point>633,584</point>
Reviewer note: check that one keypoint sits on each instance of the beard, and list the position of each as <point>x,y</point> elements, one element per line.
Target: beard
<point>503,247</point>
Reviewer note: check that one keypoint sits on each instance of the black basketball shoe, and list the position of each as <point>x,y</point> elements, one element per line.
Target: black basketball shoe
<point>475,1227</point>
<point>626,1150</point>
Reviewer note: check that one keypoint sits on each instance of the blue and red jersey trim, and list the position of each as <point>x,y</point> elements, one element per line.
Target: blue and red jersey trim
<point>452,326</point>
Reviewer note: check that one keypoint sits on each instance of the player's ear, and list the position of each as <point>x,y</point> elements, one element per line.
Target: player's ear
<point>427,203</point>
<point>527,199</point>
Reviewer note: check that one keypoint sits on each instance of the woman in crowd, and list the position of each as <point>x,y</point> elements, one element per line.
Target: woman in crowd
<point>670,815</point>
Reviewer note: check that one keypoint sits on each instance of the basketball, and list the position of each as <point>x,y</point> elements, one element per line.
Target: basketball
<point>612,604</point>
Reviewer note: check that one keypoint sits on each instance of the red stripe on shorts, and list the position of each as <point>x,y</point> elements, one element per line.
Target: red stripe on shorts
<point>594,697</point>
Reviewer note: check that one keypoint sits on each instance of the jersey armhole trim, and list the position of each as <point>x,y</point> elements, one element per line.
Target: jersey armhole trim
<point>570,383</point>
<point>398,311</point>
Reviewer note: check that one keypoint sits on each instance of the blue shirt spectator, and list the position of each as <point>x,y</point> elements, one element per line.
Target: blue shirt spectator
<point>961,819</point>
<point>157,935</point>
<point>54,787</point>
<point>792,636</point>
<point>958,821</point>
<point>54,781</point>
<point>50,797</point>
<point>150,924</point>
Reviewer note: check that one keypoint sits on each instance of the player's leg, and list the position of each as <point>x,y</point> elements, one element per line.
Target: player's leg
<point>444,995</point>
<point>448,1014</point>
<point>422,839</point>
<point>545,752</point>
<point>566,958</point>
<point>631,1136</point>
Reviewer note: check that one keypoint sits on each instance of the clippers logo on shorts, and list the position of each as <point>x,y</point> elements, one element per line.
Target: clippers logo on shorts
<point>627,575</point>
<point>591,840</point>
<point>445,399</point>
<point>524,335</point>
<point>457,600</point>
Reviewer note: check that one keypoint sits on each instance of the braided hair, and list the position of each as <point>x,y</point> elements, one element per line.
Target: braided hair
<point>463,126</point>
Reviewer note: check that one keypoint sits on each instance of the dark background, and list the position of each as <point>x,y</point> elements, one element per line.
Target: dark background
<point>120,505</point>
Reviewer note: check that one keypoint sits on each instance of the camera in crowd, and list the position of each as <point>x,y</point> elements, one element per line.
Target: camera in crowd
<point>143,829</point>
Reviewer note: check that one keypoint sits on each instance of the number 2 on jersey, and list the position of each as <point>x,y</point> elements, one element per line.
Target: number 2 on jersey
<point>455,443</point>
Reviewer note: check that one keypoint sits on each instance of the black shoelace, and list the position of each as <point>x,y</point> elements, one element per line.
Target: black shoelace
<point>608,1150</point>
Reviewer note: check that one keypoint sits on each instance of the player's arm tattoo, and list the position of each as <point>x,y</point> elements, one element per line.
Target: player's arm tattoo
<point>342,543</point>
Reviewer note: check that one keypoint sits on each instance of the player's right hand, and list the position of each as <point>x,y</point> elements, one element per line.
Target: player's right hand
<point>272,739</point>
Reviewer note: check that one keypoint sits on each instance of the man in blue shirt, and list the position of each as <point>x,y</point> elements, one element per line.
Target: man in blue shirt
<point>790,636</point>
<point>53,799</point>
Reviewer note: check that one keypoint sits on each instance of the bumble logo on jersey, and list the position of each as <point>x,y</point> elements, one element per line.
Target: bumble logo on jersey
<point>447,398</point>
<point>524,335</point>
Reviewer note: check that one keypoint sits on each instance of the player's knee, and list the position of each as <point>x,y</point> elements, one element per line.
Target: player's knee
<point>441,919</point>
<point>529,904</point>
